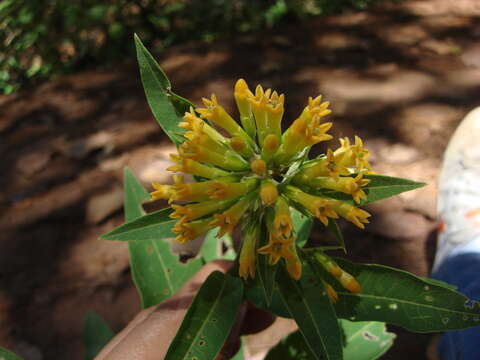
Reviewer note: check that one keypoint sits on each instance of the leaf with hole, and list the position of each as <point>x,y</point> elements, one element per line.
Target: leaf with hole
<point>398,297</point>
<point>209,319</point>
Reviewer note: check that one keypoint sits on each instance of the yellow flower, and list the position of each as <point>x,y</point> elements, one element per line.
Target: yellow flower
<point>221,190</point>
<point>278,248</point>
<point>230,218</point>
<point>248,174</point>
<point>187,231</point>
<point>331,293</point>
<point>268,192</point>
<point>241,94</point>
<point>247,261</point>
<point>351,213</point>
<point>195,211</point>
<point>305,131</point>
<point>267,107</point>
<point>354,156</point>
<point>282,221</point>
<point>320,207</point>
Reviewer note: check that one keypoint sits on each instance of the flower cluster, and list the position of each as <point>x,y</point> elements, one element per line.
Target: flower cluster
<point>251,174</point>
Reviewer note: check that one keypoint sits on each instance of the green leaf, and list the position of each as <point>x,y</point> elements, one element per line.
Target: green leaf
<point>167,107</point>
<point>365,340</point>
<point>380,187</point>
<point>96,335</point>
<point>302,226</point>
<point>8,355</point>
<point>333,226</point>
<point>209,319</point>
<point>156,272</point>
<point>134,195</point>
<point>398,297</point>
<point>308,303</point>
<point>154,226</point>
<point>266,274</point>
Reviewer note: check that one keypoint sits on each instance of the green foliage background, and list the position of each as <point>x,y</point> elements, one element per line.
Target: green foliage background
<point>40,39</point>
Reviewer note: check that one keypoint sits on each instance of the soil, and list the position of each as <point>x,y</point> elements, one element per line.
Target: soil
<point>401,76</point>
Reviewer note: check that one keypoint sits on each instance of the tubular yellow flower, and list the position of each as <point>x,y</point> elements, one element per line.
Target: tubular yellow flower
<point>347,185</point>
<point>219,190</point>
<point>321,208</point>
<point>326,166</point>
<point>217,114</point>
<point>349,282</point>
<point>343,277</point>
<point>196,191</point>
<point>277,249</point>
<point>193,167</point>
<point>305,131</point>
<point>294,265</point>
<point>267,106</point>
<point>187,231</point>
<point>270,147</point>
<point>351,213</point>
<point>247,261</point>
<point>282,222</point>
<point>268,192</point>
<point>241,94</point>
<point>353,156</point>
<point>331,293</point>
<point>194,124</point>
<point>240,146</point>
<point>161,191</point>
<point>230,218</point>
<point>192,149</point>
<point>258,166</point>
<point>194,211</point>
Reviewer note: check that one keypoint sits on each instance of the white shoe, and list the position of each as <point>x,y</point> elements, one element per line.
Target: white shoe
<point>458,203</point>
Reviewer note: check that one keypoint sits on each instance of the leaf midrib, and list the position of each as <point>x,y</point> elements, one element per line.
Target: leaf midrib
<point>402,301</point>
<point>212,308</point>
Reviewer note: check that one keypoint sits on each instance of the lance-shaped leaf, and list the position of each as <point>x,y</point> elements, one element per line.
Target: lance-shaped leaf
<point>156,272</point>
<point>96,335</point>
<point>167,107</point>
<point>308,303</point>
<point>8,355</point>
<point>398,297</point>
<point>365,340</point>
<point>209,319</point>
<point>380,187</point>
<point>154,226</point>
<point>266,277</point>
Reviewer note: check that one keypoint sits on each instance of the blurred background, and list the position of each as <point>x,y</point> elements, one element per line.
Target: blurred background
<point>400,74</point>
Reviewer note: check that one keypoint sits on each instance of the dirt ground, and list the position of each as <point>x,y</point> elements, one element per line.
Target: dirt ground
<point>401,76</point>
